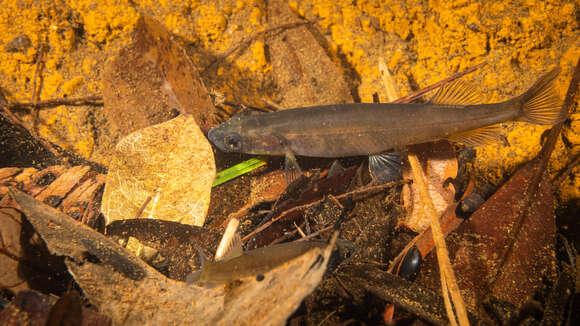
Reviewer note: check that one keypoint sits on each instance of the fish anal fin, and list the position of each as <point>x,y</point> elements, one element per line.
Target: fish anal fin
<point>385,167</point>
<point>291,167</point>
<point>231,244</point>
<point>456,93</point>
<point>479,136</point>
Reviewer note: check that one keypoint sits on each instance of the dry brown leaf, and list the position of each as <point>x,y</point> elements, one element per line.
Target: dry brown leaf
<point>152,80</point>
<point>11,250</point>
<point>478,245</point>
<point>302,69</point>
<point>164,171</point>
<point>439,163</point>
<point>132,293</point>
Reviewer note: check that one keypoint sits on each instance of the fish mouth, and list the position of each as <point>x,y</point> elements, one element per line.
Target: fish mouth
<point>212,134</point>
<point>216,137</point>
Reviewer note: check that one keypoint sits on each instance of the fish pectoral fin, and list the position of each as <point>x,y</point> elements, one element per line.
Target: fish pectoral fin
<point>293,171</point>
<point>231,243</point>
<point>479,136</point>
<point>385,167</point>
<point>456,93</point>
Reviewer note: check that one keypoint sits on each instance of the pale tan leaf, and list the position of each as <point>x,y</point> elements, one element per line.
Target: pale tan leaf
<point>439,163</point>
<point>164,172</point>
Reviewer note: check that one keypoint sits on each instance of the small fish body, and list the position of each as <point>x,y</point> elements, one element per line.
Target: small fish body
<point>254,263</point>
<point>373,129</point>
<point>232,263</point>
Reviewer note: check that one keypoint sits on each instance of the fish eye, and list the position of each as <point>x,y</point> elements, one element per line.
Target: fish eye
<point>233,141</point>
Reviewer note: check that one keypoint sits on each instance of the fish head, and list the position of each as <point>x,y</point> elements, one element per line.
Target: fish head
<point>246,134</point>
<point>228,135</point>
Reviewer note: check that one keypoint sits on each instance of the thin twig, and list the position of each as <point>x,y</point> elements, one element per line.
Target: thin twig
<point>448,282</point>
<point>314,234</point>
<point>326,318</point>
<point>421,92</point>
<point>37,87</point>
<point>47,104</point>
<point>245,43</point>
<point>142,208</point>
<point>302,234</point>
<point>272,104</point>
<point>354,194</point>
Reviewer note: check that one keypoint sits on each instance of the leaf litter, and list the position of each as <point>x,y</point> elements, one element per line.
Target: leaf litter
<point>104,264</point>
<point>164,171</point>
<point>131,292</point>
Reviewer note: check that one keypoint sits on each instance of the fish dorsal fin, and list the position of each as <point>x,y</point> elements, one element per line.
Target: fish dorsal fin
<point>456,93</point>
<point>479,136</point>
<point>231,244</point>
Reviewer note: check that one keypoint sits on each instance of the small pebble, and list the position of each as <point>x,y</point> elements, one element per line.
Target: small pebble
<point>19,44</point>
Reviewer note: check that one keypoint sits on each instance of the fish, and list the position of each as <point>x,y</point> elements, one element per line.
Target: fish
<point>232,263</point>
<point>381,130</point>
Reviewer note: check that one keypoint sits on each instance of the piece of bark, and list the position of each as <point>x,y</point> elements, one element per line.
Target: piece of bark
<point>54,193</point>
<point>80,203</point>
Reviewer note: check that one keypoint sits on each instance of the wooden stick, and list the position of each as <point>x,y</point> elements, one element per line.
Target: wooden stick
<point>448,282</point>
<point>89,100</point>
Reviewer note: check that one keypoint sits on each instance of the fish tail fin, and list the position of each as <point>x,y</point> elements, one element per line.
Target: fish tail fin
<point>540,104</point>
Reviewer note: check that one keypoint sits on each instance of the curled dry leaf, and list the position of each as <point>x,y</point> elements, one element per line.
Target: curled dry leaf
<point>132,293</point>
<point>151,80</point>
<point>163,171</point>
<point>439,163</point>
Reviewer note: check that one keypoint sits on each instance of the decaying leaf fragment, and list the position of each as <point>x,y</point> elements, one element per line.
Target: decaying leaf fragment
<point>439,163</point>
<point>152,80</point>
<point>480,243</point>
<point>164,172</point>
<point>302,68</point>
<point>152,299</point>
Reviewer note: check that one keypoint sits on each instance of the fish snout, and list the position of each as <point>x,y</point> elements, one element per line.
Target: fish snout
<point>225,140</point>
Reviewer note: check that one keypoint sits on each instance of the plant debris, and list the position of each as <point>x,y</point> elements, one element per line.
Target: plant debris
<point>164,171</point>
